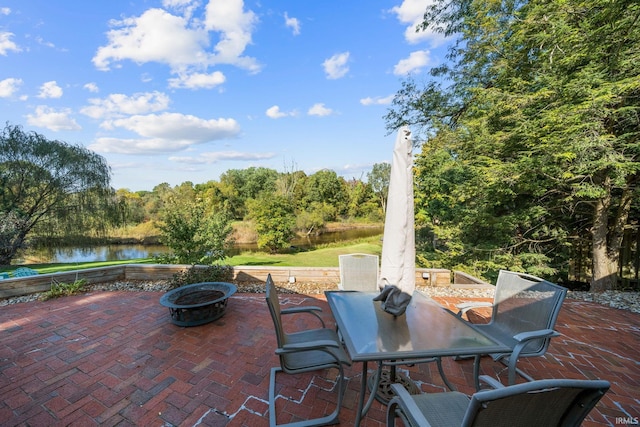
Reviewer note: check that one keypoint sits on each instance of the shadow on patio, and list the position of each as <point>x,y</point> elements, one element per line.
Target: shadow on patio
<point>114,358</point>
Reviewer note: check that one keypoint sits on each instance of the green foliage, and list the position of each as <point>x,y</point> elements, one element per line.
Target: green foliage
<point>274,221</point>
<point>314,219</point>
<point>241,185</point>
<point>64,289</point>
<point>532,133</point>
<point>195,236</point>
<point>10,240</point>
<point>200,274</point>
<point>326,187</point>
<point>51,185</point>
<point>379,179</point>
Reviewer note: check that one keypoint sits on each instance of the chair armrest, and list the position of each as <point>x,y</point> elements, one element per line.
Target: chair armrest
<point>490,381</point>
<point>532,335</point>
<point>523,339</point>
<point>303,309</point>
<point>311,309</point>
<point>466,306</point>
<point>306,346</point>
<point>329,347</point>
<point>408,405</point>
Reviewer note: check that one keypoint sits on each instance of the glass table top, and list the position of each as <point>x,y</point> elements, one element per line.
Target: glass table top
<point>425,330</point>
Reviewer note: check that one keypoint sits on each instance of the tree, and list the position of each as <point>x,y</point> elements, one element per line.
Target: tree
<point>326,187</point>
<point>540,102</point>
<point>379,178</point>
<point>240,185</point>
<point>39,178</point>
<point>194,236</point>
<point>274,220</point>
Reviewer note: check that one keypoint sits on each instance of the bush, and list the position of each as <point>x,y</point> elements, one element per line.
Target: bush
<point>64,289</point>
<point>193,235</point>
<point>199,274</point>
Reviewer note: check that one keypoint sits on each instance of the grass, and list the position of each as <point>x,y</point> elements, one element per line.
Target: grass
<point>326,256</point>
<point>323,256</point>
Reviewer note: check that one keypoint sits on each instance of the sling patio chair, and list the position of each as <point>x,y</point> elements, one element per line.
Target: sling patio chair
<point>358,272</point>
<point>548,403</point>
<point>524,312</point>
<point>24,272</point>
<point>304,351</point>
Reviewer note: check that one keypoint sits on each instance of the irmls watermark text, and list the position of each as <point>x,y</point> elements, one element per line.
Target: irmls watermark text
<point>627,420</point>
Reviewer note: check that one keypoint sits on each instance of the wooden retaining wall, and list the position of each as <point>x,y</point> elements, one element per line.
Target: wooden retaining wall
<point>243,274</point>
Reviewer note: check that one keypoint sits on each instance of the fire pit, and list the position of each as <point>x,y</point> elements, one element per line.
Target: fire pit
<point>198,303</point>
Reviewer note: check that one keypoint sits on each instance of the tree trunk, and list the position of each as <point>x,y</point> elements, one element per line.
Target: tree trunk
<point>604,268</point>
<point>607,238</point>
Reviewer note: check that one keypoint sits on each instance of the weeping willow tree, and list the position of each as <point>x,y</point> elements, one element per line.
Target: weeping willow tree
<point>47,185</point>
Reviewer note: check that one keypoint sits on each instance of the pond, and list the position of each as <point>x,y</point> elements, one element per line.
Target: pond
<point>125,252</point>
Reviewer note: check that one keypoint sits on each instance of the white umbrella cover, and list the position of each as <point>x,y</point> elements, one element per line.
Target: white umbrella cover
<point>398,264</point>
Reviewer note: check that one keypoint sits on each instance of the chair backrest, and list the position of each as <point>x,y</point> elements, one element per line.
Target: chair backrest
<point>558,402</point>
<point>24,272</point>
<point>274,308</point>
<point>524,303</point>
<point>358,272</point>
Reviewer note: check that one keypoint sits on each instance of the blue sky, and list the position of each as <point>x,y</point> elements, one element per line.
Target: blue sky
<point>184,90</point>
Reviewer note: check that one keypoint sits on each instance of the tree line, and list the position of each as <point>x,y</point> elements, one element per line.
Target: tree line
<point>53,190</point>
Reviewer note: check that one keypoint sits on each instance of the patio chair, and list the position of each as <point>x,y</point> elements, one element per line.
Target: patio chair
<point>549,403</point>
<point>304,351</point>
<point>24,272</point>
<point>358,272</point>
<point>524,313</point>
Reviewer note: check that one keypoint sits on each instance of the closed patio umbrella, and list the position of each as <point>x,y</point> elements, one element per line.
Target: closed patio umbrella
<point>398,264</point>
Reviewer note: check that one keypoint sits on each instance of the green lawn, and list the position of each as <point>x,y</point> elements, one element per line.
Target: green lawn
<point>325,256</point>
<point>322,257</point>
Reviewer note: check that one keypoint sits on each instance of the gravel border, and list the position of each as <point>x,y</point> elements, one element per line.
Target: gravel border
<point>616,299</point>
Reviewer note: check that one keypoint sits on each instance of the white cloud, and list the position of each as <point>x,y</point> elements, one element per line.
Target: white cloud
<point>275,113</point>
<point>50,90</point>
<point>292,23</point>
<point>91,87</point>
<point>179,41</point>
<point>377,100</point>
<point>186,7</point>
<point>319,110</point>
<point>6,44</point>
<point>235,27</point>
<point>167,132</point>
<point>118,104</point>
<point>411,12</point>
<point>8,87</point>
<point>414,63</point>
<point>336,66</point>
<point>5,11</point>
<point>197,80</point>
<point>154,36</point>
<point>217,156</point>
<point>43,42</point>
<point>52,119</point>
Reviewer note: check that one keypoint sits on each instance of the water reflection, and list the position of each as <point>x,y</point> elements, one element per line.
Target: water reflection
<point>133,251</point>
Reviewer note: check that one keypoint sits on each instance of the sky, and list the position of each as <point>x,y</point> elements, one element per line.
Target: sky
<point>169,91</point>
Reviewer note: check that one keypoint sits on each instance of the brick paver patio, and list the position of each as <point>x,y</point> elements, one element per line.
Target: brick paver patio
<point>114,358</point>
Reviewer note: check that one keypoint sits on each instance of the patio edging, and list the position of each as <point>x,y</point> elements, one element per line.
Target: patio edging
<point>19,286</point>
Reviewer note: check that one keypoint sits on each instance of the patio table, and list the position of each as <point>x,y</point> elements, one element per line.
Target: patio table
<point>424,331</point>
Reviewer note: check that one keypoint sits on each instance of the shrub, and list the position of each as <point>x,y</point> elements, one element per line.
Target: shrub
<point>64,289</point>
<point>199,274</point>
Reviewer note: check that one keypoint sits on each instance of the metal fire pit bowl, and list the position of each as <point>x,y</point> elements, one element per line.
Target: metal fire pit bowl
<point>198,303</point>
